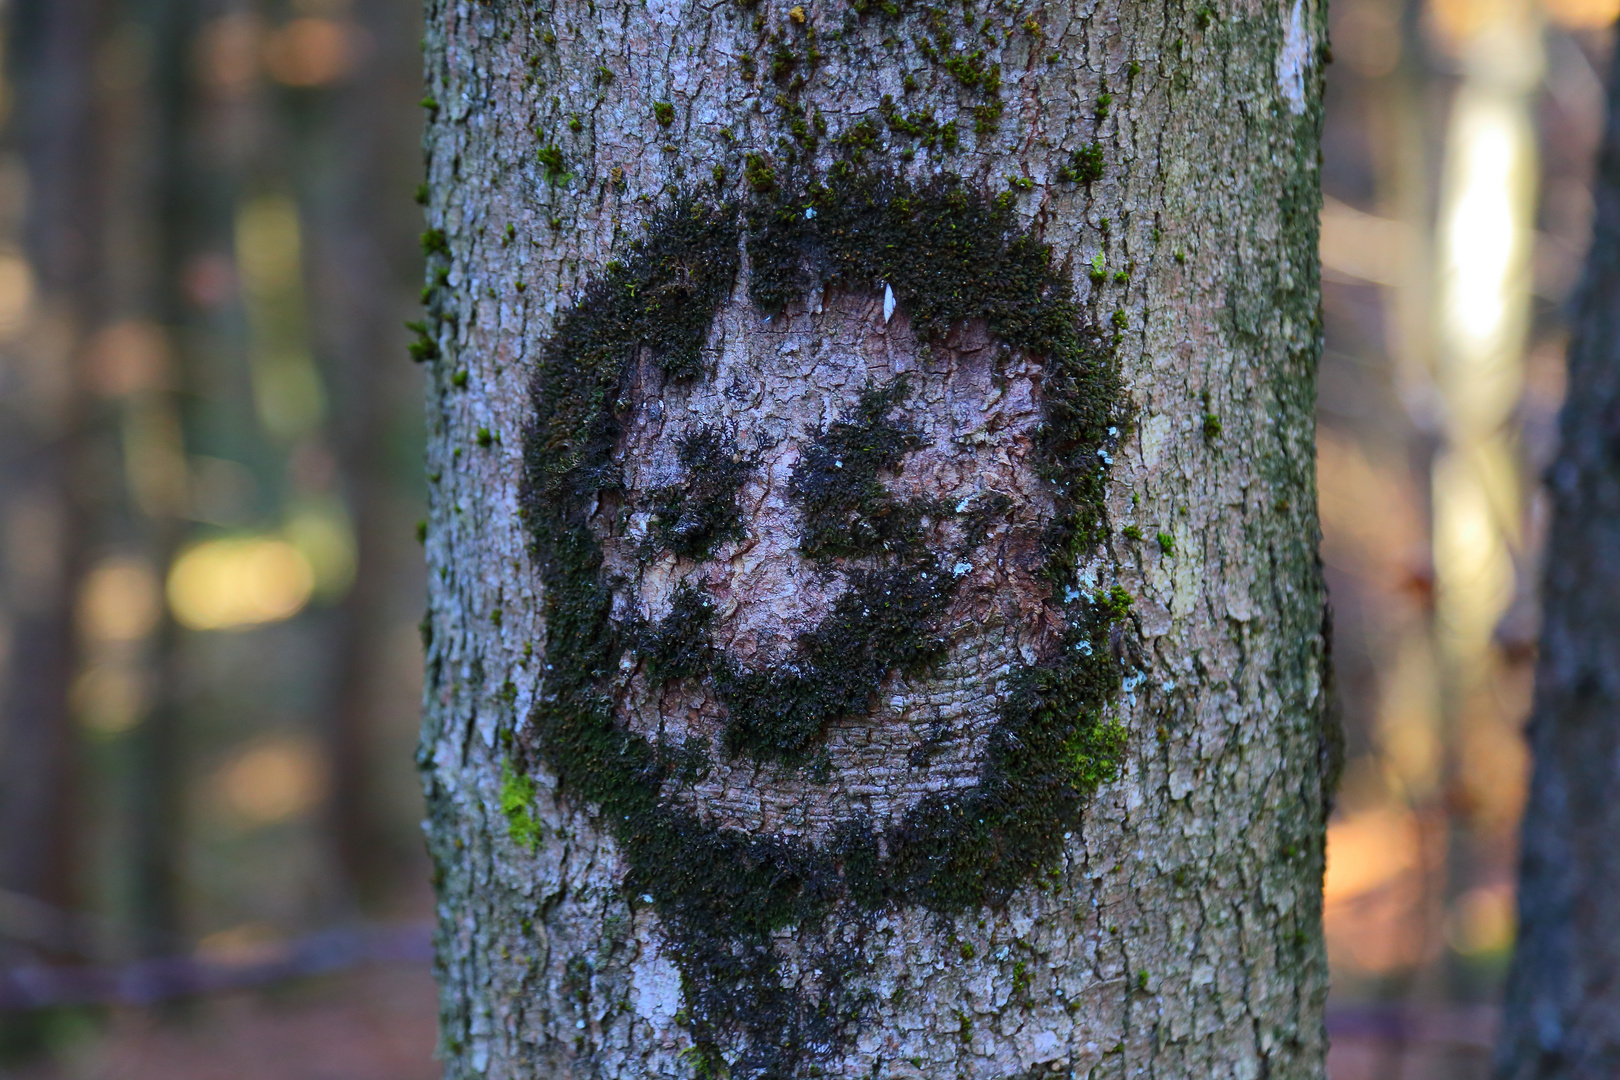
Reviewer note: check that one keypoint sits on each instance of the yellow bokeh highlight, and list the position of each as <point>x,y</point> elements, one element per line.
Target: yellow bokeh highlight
<point>318,526</point>
<point>1482,921</point>
<point>16,294</point>
<point>274,781</point>
<point>110,698</point>
<point>287,389</point>
<point>1369,850</point>
<point>1582,14</point>
<point>246,943</point>
<point>120,600</point>
<point>239,582</point>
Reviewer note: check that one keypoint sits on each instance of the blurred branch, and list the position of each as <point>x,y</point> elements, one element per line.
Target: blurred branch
<point>29,921</point>
<point>147,981</point>
<point>1472,1027</point>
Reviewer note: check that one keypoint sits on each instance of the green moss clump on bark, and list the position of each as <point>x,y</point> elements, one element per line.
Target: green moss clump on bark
<point>517,804</point>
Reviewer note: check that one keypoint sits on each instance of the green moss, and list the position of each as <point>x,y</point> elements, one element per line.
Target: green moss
<point>664,113</point>
<point>551,162</point>
<point>783,63</point>
<point>860,137</point>
<point>921,126</point>
<point>759,174</point>
<point>434,242</point>
<point>424,347</point>
<point>1167,544</point>
<point>1131,532</point>
<point>523,823</point>
<point>879,624</point>
<point>1211,422</point>
<point>972,71</point>
<point>986,118</point>
<point>1085,165</point>
<point>846,510</point>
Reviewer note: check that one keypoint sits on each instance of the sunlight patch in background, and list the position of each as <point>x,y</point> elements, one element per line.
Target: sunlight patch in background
<point>273,781</point>
<point>287,390</point>
<point>120,600</point>
<point>238,582</point>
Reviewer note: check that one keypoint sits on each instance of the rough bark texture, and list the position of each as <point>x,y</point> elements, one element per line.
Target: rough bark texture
<point>1562,1016</point>
<point>875,626</point>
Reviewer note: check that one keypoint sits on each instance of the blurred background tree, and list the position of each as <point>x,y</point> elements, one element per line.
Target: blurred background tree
<point>210,478</point>
<point>209,475</point>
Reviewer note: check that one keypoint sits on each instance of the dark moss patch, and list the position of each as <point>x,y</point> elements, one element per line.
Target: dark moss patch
<point>847,511</point>
<point>701,512</point>
<point>951,256</point>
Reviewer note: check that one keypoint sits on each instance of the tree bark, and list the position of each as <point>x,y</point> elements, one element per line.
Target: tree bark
<point>875,623</point>
<point>1562,1014</point>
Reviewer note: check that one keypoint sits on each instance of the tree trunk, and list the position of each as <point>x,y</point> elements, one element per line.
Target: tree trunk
<point>875,624</point>
<point>43,416</point>
<point>1562,1016</point>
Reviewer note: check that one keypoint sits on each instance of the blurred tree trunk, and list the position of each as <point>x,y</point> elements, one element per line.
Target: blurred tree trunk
<point>875,622</point>
<point>1562,1015</point>
<point>359,279</point>
<point>53,47</point>
<point>154,214</point>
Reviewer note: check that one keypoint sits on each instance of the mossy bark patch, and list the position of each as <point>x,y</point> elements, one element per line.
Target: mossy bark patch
<point>952,257</point>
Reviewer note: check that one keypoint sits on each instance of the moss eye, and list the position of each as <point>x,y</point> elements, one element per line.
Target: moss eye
<point>696,516</point>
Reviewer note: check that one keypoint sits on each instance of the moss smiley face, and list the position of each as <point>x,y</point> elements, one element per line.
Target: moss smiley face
<point>814,636</point>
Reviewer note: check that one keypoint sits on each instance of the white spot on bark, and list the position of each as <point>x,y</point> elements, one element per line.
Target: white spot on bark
<point>1294,60</point>
<point>655,987</point>
<point>667,12</point>
<point>888,303</point>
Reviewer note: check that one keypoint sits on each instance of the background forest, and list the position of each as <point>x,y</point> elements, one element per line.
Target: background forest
<point>210,483</point>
